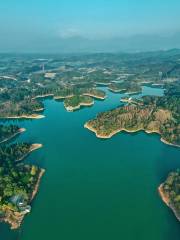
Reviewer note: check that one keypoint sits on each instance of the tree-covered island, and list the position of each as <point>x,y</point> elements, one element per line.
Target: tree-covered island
<point>76,102</point>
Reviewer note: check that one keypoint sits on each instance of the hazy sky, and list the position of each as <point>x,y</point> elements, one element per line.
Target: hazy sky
<point>25,21</point>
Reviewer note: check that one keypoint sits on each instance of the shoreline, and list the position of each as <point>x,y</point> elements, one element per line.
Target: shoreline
<point>12,218</point>
<point>36,188</point>
<point>94,96</point>
<point>111,134</point>
<point>43,96</point>
<point>168,143</point>
<point>33,147</point>
<point>32,116</point>
<point>39,110</point>
<point>102,84</point>
<point>166,200</point>
<point>118,90</point>
<point>71,109</point>
<point>21,130</point>
<point>15,219</point>
<point>86,125</point>
<point>133,93</point>
<point>61,97</point>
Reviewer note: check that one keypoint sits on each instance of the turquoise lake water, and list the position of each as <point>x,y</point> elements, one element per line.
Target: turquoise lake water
<point>96,189</point>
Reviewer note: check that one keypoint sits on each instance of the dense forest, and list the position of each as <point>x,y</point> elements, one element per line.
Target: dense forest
<point>77,101</point>
<point>15,178</point>
<point>14,152</point>
<point>95,93</point>
<point>127,86</point>
<point>7,132</point>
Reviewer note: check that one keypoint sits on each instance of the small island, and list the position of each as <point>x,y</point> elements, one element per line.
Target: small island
<point>76,102</point>
<point>170,192</point>
<point>19,183</point>
<point>150,114</point>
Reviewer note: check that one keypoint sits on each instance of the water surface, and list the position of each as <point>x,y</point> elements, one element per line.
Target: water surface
<point>94,188</point>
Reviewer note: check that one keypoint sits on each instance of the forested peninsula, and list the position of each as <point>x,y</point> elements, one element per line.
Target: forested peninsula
<point>150,114</point>
<point>8,132</point>
<point>18,182</point>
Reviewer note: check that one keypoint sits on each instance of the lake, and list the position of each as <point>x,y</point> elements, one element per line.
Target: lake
<point>93,188</point>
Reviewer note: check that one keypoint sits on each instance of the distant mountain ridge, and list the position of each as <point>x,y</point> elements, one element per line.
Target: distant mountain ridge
<point>80,44</point>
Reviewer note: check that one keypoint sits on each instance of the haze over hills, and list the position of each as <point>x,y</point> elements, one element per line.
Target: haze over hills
<point>54,26</point>
<point>80,44</point>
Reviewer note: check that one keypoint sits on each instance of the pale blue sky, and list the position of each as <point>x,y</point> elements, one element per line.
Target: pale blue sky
<point>96,19</point>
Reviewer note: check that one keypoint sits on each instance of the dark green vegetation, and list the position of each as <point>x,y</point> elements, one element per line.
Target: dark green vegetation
<point>171,190</point>
<point>18,183</point>
<point>15,152</point>
<point>17,101</point>
<point>7,132</point>
<point>71,91</point>
<point>16,178</point>
<point>75,102</point>
<point>128,87</point>
<point>95,93</point>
